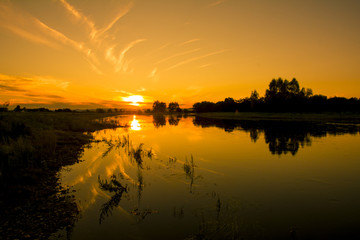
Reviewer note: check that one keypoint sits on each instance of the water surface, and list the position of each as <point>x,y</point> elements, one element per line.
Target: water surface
<point>177,178</point>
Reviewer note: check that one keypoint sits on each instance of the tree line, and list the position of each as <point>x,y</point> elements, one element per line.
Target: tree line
<point>160,107</point>
<point>282,96</point>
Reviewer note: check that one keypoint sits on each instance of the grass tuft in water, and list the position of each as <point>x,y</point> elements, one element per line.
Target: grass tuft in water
<point>112,186</point>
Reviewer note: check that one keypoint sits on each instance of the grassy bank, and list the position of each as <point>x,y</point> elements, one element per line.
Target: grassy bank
<point>325,117</point>
<point>34,146</point>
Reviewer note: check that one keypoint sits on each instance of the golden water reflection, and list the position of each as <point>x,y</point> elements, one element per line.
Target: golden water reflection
<point>134,124</point>
<point>207,170</point>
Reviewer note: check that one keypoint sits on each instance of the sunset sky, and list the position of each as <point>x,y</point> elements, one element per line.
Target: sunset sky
<point>89,53</point>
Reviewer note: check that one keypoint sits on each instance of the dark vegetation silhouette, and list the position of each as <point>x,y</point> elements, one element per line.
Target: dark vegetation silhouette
<point>189,169</point>
<point>112,186</point>
<point>174,107</point>
<point>159,107</point>
<point>282,96</point>
<point>33,148</point>
<point>282,137</point>
<point>136,155</point>
<point>4,107</point>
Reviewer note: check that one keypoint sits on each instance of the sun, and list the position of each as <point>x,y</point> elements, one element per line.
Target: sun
<point>134,100</point>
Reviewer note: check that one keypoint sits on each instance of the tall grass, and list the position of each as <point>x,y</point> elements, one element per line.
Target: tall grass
<point>45,140</point>
<point>189,169</point>
<point>112,186</point>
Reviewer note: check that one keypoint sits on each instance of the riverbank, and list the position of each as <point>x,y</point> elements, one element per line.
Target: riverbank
<point>353,118</point>
<point>34,146</point>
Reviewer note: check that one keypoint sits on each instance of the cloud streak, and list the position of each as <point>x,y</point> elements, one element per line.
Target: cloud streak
<point>61,37</point>
<point>194,59</point>
<point>119,62</point>
<point>21,24</point>
<point>153,73</point>
<point>34,30</point>
<point>216,3</point>
<point>189,41</point>
<point>177,55</point>
<point>122,13</point>
<point>32,88</point>
<point>94,32</point>
<point>78,15</point>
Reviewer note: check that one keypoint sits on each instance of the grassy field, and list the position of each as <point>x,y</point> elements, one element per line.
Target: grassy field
<point>34,146</point>
<point>325,117</point>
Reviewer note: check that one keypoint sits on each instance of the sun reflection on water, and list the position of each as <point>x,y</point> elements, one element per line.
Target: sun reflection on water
<point>135,125</point>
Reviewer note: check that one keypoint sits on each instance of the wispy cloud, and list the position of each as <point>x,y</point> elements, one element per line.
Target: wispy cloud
<point>21,24</point>
<point>10,88</point>
<point>216,3</point>
<point>152,73</point>
<point>30,36</point>
<point>49,81</point>
<point>122,13</point>
<point>93,66</point>
<point>94,32</point>
<point>189,41</point>
<point>194,59</point>
<point>32,87</point>
<point>154,76</point>
<point>177,55</point>
<point>61,37</point>
<point>43,96</point>
<point>31,28</point>
<point>33,82</point>
<point>141,90</point>
<point>119,62</point>
<point>80,16</point>
<point>123,92</point>
<point>205,65</point>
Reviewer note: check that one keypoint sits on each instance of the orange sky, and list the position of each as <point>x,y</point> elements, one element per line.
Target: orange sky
<point>87,54</point>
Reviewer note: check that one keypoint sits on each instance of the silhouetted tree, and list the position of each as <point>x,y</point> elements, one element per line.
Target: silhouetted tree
<point>174,107</point>
<point>254,95</point>
<point>18,109</point>
<point>159,107</point>
<point>309,92</point>
<point>204,107</point>
<point>63,110</point>
<point>100,110</point>
<point>254,98</point>
<point>229,105</point>
<point>37,110</point>
<point>285,96</point>
<point>294,87</point>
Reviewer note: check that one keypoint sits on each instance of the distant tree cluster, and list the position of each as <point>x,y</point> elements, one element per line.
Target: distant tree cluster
<point>160,107</point>
<point>18,108</point>
<point>282,96</point>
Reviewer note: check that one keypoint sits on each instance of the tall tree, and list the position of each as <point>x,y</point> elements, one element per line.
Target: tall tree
<point>174,107</point>
<point>159,106</point>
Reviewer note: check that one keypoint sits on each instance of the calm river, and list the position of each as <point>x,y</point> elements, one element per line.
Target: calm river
<point>193,178</point>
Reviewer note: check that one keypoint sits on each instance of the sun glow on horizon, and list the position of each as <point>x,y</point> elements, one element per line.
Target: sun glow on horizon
<point>134,100</point>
